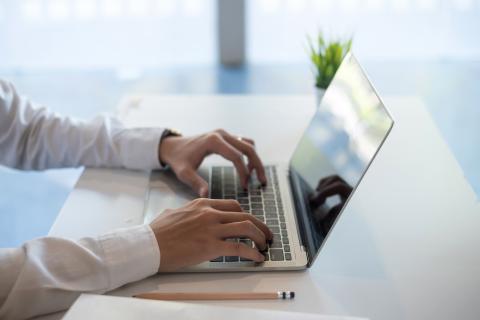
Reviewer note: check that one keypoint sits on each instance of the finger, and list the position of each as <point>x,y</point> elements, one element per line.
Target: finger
<point>218,145</point>
<point>243,229</point>
<point>248,140</point>
<point>330,179</point>
<point>229,217</point>
<point>224,205</point>
<point>319,197</point>
<point>250,168</point>
<point>226,248</point>
<point>191,178</point>
<point>248,150</point>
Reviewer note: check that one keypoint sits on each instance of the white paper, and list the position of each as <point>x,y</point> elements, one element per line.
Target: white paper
<point>103,307</point>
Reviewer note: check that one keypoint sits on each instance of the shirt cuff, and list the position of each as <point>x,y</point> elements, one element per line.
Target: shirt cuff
<point>131,254</point>
<point>139,147</point>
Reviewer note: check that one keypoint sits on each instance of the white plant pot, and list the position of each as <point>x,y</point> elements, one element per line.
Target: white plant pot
<point>319,92</point>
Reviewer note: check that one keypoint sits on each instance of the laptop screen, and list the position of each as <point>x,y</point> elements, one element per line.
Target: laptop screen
<point>340,142</point>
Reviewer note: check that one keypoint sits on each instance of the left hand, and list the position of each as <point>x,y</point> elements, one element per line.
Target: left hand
<point>185,154</point>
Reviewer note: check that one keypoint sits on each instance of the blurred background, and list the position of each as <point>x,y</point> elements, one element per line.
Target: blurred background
<point>79,57</point>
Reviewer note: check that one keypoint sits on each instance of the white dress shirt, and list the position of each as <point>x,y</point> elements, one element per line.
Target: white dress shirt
<point>47,274</point>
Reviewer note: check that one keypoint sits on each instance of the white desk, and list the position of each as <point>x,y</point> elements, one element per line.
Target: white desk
<point>407,247</point>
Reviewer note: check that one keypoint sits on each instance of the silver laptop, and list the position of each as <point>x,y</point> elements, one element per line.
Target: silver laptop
<point>304,198</point>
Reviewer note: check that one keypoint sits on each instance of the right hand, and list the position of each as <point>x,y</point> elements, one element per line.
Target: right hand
<point>197,231</point>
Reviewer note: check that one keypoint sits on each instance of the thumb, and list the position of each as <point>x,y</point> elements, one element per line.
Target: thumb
<point>191,178</point>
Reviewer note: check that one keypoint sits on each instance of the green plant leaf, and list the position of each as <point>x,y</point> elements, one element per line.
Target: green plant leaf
<point>326,58</point>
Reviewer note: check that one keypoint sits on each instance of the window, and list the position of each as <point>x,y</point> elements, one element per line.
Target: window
<point>382,29</point>
<point>106,33</point>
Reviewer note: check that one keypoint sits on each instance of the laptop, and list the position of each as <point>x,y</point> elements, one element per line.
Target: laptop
<point>304,198</point>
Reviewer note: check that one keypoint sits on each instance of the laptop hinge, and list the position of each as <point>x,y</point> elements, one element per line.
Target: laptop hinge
<point>302,216</point>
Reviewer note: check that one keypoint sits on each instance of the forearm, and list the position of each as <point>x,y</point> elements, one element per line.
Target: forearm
<point>47,274</point>
<point>32,137</point>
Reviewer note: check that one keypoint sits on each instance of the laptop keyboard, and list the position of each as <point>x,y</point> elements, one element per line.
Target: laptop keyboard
<point>263,202</point>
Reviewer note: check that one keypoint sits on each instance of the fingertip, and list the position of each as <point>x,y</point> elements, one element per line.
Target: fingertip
<point>203,192</point>
<point>263,178</point>
<point>269,237</point>
<point>260,257</point>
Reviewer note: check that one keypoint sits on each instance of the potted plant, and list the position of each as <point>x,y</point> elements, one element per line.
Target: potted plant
<point>326,59</point>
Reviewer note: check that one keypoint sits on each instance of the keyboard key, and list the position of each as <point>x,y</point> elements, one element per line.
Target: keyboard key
<point>245,207</point>
<point>270,209</point>
<point>276,244</point>
<point>257,211</point>
<point>257,206</point>
<point>276,229</point>
<point>272,222</point>
<point>243,200</point>
<point>247,242</point>
<point>286,248</point>
<point>288,256</point>
<point>219,259</point>
<point>269,203</point>
<point>276,254</point>
<point>231,259</point>
<point>271,215</point>
<point>281,218</point>
<point>285,240</point>
<point>283,225</point>
<point>284,233</point>
<point>256,199</point>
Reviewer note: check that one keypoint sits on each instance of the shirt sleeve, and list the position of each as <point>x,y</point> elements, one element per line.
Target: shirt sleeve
<point>47,274</point>
<point>34,138</point>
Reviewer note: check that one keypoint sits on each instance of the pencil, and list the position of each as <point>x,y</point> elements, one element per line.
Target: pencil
<point>279,295</point>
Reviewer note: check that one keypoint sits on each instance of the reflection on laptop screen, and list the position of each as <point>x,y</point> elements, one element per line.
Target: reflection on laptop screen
<point>336,149</point>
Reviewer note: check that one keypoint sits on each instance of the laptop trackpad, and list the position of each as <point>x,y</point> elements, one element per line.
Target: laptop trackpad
<point>166,192</point>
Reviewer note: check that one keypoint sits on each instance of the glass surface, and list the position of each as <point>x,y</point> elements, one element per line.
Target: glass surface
<point>338,146</point>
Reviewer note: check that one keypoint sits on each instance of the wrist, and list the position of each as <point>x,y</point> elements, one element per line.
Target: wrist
<point>167,134</point>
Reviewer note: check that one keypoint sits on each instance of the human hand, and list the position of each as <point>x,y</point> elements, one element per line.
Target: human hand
<point>327,187</point>
<point>185,154</point>
<point>330,186</point>
<point>197,231</point>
